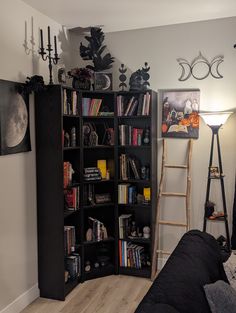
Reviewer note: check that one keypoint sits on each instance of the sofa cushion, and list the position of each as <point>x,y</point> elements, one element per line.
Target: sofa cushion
<point>221,297</point>
<point>230,270</point>
<point>195,262</point>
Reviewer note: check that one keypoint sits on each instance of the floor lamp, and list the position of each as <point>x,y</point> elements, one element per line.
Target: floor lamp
<point>215,120</point>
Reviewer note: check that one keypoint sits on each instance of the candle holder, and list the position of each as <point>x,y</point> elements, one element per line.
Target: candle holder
<point>47,56</point>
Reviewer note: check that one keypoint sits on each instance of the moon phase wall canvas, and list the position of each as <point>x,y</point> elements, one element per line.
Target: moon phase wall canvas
<point>180,113</point>
<point>14,119</point>
<point>103,81</point>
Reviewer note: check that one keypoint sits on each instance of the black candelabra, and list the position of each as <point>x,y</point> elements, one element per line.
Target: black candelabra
<point>47,56</point>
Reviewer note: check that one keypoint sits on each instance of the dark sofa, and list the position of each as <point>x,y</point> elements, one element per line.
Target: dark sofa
<point>196,261</point>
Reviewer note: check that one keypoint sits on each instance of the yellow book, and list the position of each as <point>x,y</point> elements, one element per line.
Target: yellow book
<point>102,165</point>
<point>147,193</point>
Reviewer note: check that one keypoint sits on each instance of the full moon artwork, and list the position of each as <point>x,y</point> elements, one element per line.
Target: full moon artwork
<point>17,121</point>
<point>14,119</point>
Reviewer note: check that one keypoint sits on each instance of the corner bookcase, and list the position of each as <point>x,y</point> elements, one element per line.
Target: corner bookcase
<point>96,185</point>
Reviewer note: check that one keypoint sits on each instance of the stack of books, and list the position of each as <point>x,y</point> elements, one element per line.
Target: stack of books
<point>127,194</point>
<point>91,107</point>
<point>131,255</point>
<point>129,135</point>
<point>98,229</point>
<point>69,239</point>
<point>72,198</point>
<point>129,167</point>
<point>73,266</point>
<point>70,102</point>
<point>134,106</point>
<point>68,171</point>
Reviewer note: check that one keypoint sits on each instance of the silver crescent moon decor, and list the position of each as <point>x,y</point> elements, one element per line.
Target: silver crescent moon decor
<point>200,68</point>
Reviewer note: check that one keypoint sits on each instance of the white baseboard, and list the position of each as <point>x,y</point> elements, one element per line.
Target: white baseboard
<point>22,301</point>
<point>161,262</point>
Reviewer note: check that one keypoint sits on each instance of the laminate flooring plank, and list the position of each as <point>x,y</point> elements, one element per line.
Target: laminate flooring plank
<point>111,294</point>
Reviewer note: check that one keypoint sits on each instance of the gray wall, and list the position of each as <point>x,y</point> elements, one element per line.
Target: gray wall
<point>160,47</point>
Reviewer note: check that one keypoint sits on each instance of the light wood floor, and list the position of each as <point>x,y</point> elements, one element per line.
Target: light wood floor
<point>111,294</point>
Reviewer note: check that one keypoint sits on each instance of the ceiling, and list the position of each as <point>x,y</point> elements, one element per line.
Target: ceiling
<point>118,15</point>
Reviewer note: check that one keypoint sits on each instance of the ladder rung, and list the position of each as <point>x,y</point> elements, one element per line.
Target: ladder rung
<point>172,223</point>
<point>173,194</point>
<point>176,166</point>
<point>164,252</point>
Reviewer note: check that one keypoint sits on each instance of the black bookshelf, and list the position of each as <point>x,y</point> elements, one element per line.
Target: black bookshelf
<point>57,143</point>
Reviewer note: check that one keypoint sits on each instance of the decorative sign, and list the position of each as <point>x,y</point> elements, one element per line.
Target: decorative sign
<point>200,67</point>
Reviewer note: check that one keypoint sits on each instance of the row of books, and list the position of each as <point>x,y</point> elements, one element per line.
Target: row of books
<point>129,167</point>
<point>127,194</point>
<point>98,229</point>
<point>134,106</point>
<point>72,198</point>
<point>68,172</point>
<point>73,266</point>
<point>129,135</point>
<point>70,102</point>
<point>131,255</point>
<point>69,240</point>
<point>91,107</point>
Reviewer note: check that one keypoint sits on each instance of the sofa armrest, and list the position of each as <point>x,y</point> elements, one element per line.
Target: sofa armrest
<point>155,308</point>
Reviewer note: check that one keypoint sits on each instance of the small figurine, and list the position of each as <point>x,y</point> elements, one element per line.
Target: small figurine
<point>146,232</point>
<point>89,234</point>
<point>87,266</point>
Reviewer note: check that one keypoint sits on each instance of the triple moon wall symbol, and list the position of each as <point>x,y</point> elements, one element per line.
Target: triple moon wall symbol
<point>200,67</point>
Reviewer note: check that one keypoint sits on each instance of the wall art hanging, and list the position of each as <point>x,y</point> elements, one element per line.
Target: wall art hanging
<point>180,118</point>
<point>14,118</point>
<point>200,68</point>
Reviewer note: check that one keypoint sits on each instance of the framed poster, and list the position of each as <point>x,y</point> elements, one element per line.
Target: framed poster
<point>103,81</point>
<point>180,113</point>
<point>14,119</point>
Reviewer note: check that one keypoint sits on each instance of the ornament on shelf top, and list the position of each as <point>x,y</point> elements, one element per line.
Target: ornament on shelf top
<point>139,79</point>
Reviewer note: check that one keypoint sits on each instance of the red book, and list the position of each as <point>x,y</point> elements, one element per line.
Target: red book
<point>135,137</point>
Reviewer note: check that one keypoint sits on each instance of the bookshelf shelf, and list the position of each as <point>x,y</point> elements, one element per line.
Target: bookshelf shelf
<point>101,181</point>
<point>111,239</point>
<point>94,141</point>
<point>97,206</point>
<point>100,272</point>
<point>98,147</point>
<point>69,213</point>
<point>134,147</point>
<point>144,272</point>
<point>71,148</point>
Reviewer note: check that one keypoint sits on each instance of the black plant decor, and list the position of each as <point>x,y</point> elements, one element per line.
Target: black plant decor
<point>94,51</point>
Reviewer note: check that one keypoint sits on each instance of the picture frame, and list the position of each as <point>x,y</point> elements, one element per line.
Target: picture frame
<point>180,113</point>
<point>14,118</point>
<point>214,172</point>
<point>102,81</point>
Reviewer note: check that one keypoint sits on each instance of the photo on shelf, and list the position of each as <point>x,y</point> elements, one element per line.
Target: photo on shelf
<point>180,113</point>
<point>103,81</point>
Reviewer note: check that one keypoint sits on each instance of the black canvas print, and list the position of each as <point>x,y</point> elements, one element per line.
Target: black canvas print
<point>14,119</point>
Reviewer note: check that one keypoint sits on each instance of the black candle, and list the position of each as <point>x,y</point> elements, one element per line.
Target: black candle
<point>55,44</point>
<point>49,36</point>
<point>41,35</point>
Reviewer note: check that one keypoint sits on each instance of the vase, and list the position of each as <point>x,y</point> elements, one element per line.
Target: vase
<point>81,84</point>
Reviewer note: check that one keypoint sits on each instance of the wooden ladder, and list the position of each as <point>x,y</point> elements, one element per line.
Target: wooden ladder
<point>186,224</point>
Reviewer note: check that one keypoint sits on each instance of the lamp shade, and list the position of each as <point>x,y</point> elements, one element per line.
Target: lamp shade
<point>215,118</point>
